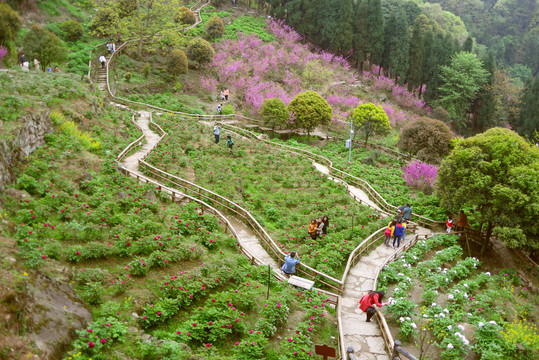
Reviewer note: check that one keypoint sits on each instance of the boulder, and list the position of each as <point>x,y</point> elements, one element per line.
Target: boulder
<point>53,313</point>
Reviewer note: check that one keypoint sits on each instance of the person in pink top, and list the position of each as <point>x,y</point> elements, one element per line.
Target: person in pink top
<point>367,301</point>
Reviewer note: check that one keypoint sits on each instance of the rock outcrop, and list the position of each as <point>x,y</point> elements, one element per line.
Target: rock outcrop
<point>20,142</point>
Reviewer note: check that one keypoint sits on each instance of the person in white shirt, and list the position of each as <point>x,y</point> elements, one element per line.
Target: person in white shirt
<point>103,60</point>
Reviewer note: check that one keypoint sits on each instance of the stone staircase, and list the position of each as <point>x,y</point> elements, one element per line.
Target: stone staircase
<point>102,76</point>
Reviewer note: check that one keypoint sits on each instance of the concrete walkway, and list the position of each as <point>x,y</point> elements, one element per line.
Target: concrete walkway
<point>354,190</point>
<point>131,162</point>
<point>365,338</point>
<point>246,237</point>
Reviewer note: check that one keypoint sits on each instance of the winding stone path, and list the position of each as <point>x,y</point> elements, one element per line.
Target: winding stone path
<point>365,338</point>
<point>246,237</point>
<point>354,190</point>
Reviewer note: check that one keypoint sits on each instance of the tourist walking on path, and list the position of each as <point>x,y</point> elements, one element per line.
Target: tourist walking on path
<point>216,132</point>
<point>325,220</point>
<point>449,224</point>
<point>368,301</point>
<point>226,93</point>
<point>289,266</point>
<point>229,142</point>
<point>311,229</point>
<point>399,230</point>
<point>222,96</point>
<point>219,108</point>
<point>36,64</point>
<point>407,211</point>
<point>103,61</point>
<point>389,232</point>
<point>109,47</point>
<point>56,69</point>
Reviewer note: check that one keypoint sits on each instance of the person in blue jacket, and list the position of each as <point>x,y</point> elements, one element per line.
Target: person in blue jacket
<point>399,231</point>
<point>289,266</point>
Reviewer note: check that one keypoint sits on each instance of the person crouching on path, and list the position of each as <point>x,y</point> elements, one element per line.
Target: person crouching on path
<point>312,229</point>
<point>289,266</point>
<point>367,301</point>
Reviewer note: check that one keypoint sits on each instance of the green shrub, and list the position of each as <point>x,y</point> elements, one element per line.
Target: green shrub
<point>146,70</point>
<point>427,139</point>
<point>72,30</point>
<point>200,51</point>
<point>177,62</point>
<point>215,27</point>
<point>274,113</point>
<point>185,16</point>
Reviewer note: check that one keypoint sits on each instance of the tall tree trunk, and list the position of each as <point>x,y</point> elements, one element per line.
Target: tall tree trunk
<point>486,240</point>
<point>420,91</point>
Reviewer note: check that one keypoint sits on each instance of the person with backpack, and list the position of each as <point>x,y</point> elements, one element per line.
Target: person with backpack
<point>229,142</point>
<point>389,232</point>
<point>289,266</point>
<point>220,108</point>
<point>407,212</point>
<point>368,301</point>
<point>397,234</point>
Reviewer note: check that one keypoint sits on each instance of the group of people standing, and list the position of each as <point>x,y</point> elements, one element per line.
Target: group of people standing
<point>318,227</point>
<point>396,228</point>
<point>217,133</point>
<point>223,95</point>
<point>25,65</point>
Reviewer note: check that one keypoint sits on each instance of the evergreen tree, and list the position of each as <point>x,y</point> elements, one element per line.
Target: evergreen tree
<point>439,54</point>
<point>278,8</point>
<point>345,29</point>
<point>375,27</point>
<point>528,118</point>
<point>483,109</point>
<point>461,82</point>
<point>417,59</point>
<point>389,35</point>
<point>302,16</point>
<point>329,23</point>
<point>361,35</point>
<point>468,44</point>
<point>429,60</point>
<point>400,48</point>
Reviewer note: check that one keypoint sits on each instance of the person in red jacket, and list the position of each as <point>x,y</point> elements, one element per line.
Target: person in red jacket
<point>367,301</point>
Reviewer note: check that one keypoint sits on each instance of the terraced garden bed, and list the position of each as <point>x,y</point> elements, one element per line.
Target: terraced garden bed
<point>447,306</point>
<point>283,191</point>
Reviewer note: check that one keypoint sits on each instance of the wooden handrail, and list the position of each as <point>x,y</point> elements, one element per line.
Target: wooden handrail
<point>377,198</point>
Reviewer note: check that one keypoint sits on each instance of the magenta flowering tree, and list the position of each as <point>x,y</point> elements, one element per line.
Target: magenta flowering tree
<point>420,176</point>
